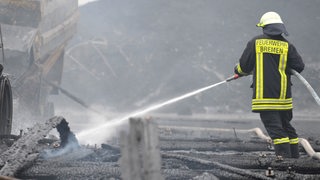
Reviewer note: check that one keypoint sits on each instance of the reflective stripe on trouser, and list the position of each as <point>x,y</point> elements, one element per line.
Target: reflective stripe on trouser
<point>294,140</point>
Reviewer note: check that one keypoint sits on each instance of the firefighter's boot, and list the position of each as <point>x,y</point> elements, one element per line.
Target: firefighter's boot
<point>283,150</point>
<point>294,150</point>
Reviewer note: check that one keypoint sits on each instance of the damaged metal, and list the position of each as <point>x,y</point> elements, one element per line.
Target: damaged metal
<point>34,35</point>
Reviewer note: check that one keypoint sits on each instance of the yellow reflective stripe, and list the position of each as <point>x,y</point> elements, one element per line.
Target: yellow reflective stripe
<point>271,107</point>
<point>240,70</point>
<point>294,141</point>
<point>281,140</point>
<point>259,75</point>
<point>282,68</point>
<point>268,103</point>
<point>281,74</point>
<point>271,101</point>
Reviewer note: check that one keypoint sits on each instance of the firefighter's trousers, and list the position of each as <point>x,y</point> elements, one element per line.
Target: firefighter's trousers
<point>282,133</point>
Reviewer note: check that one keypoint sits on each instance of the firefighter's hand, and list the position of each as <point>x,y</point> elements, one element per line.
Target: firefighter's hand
<point>236,71</point>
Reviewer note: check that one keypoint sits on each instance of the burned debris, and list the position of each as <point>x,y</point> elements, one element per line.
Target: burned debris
<point>152,148</point>
<point>25,150</point>
<point>66,136</point>
<point>140,151</point>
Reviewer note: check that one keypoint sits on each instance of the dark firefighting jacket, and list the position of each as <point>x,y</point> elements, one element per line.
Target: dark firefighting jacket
<point>269,59</point>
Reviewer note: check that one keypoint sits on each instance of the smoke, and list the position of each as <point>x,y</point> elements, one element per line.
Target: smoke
<point>68,141</point>
<point>159,49</point>
<point>68,148</point>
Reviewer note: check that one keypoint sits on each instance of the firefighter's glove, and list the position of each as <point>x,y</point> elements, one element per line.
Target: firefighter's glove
<point>236,70</point>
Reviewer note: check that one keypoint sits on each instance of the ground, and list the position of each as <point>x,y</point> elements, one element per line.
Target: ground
<point>191,147</point>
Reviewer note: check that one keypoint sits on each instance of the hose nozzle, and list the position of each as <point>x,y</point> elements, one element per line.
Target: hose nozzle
<point>235,76</point>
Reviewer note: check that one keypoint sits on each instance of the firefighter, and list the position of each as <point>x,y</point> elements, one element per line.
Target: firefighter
<point>269,57</point>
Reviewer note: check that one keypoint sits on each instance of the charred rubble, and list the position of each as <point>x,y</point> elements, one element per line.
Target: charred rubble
<point>181,152</point>
<point>21,151</point>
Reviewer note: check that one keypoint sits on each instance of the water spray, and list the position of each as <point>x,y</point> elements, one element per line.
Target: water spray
<point>151,108</point>
<point>84,2</point>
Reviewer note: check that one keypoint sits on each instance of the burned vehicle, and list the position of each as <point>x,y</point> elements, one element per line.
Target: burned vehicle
<point>34,34</point>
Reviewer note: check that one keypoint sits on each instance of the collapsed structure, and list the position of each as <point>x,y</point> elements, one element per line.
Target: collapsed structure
<point>34,34</point>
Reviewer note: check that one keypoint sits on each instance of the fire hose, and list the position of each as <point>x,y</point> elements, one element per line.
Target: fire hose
<point>303,142</point>
<point>308,86</point>
<point>6,106</point>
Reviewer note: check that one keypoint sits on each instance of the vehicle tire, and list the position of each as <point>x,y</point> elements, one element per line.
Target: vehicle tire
<point>6,106</point>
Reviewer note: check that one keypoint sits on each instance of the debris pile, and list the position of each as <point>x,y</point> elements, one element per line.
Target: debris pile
<point>25,150</point>
<point>183,152</point>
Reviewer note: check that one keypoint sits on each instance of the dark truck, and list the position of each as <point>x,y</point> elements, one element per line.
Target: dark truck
<point>34,35</point>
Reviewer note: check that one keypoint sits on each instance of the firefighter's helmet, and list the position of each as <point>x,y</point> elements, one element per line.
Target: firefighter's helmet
<point>270,18</point>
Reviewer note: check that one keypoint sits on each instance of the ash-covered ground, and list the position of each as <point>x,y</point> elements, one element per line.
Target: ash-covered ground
<point>191,147</point>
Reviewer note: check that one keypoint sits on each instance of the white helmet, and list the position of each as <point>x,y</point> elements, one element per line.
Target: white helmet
<point>270,18</point>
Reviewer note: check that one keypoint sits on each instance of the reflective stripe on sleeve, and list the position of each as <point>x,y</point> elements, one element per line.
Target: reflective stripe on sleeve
<point>240,70</point>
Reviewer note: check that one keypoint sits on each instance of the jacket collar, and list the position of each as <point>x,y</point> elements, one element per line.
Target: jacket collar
<point>275,29</point>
